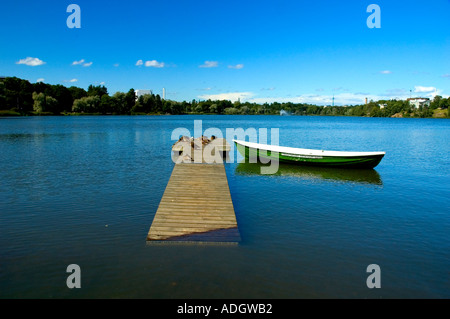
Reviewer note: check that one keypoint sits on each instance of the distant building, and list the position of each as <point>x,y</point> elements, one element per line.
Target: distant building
<point>284,113</point>
<point>417,102</point>
<point>382,106</point>
<point>139,93</point>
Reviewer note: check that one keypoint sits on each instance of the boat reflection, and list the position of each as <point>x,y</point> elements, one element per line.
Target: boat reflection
<point>359,176</point>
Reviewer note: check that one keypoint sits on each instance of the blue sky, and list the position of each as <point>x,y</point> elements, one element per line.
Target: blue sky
<point>258,51</point>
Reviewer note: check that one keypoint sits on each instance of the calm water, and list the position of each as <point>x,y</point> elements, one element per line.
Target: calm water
<point>84,190</point>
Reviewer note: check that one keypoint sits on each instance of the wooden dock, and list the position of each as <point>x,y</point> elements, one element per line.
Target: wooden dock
<point>196,207</point>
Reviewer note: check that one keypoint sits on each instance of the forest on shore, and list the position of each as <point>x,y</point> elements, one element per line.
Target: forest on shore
<point>19,97</point>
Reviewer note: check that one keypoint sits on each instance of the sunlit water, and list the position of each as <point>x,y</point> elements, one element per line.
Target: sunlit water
<point>84,190</point>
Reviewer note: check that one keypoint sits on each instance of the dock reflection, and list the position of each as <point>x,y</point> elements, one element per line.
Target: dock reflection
<point>358,176</point>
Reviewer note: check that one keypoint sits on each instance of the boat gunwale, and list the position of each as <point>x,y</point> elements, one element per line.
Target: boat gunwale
<point>306,152</point>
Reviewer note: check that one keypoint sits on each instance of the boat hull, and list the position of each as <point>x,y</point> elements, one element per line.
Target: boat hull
<point>363,161</point>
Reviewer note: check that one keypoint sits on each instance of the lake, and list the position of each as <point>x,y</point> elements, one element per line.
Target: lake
<point>84,190</point>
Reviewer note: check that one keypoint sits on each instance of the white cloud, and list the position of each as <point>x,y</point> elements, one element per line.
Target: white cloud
<point>386,72</point>
<point>446,75</point>
<point>424,89</point>
<point>318,99</point>
<point>428,91</point>
<point>78,62</point>
<point>149,64</point>
<point>71,81</point>
<point>209,64</point>
<point>233,96</point>
<point>116,65</point>
<point>154,64</point>
<point>306,98</point>
<point>237,66</point>
<point>31,61</point>
<point>348,98</point>
<point>40,80</point>
<point>82,62</point>
<point>341,99</point>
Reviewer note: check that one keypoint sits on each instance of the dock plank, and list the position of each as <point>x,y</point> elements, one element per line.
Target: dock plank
<point>196,206</point>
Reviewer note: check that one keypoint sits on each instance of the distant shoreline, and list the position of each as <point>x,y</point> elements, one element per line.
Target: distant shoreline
<point>10,114</point>
<point>19,97</point>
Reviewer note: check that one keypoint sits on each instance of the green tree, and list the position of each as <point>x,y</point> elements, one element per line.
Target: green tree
<point>222,105</point>
<point>130,101</point>
<point>198,109</point>
<point>444,103</point>
<point>185,107</point>
<point>44,103</point>
<point>137,108</point>
<point>2,95</point>
<point>176,108</point>
<point>41,87</point>
<point>39,102</point>
<point>105,104</point>
<point>89,104</point>
<point>203,106</point>
<point>436,102</point>
<point>99,90</point>
<point>193,106</point>
<point>231,111</point>
<point>77,93</point>
<point>63,96</point>
<point>158,104</point>
<point>52,104</point>
<point>213,108</point>
<point>2,102</point>
<point>166,106</point>
<point>18,94</point>
<point>118,103</point>
<point>148,103</point>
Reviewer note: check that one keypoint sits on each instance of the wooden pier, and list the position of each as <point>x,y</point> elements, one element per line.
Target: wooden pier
<point>196,207</point>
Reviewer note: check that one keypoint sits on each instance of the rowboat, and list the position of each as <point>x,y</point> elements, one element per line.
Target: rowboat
<point>308,156</point>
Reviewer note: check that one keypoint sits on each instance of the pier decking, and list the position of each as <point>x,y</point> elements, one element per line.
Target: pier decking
<point>196,207</point>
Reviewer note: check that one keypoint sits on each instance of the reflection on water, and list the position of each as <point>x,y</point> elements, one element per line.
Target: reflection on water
<point>361,176</point>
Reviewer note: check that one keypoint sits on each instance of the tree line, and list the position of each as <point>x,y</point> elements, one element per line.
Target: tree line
<point>20,97</point>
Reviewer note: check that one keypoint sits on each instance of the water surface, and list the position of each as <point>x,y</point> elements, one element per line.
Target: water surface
<point>84,190</point>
